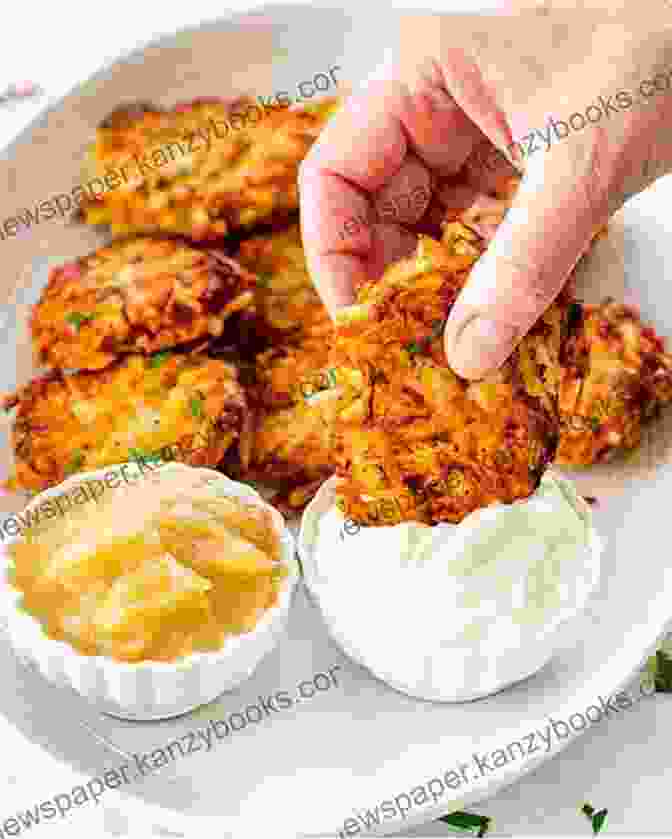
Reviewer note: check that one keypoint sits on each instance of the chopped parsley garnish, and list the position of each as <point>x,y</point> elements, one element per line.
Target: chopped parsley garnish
<point>196,406</point>
<point>331,376</point>
<point>595,423</point>
<point>662,672</point>
<point>76,462</point>
<point>574,315</point>
<point>264,278</point>
<point>21,606</point>
<point>597,819</point>
<point>467,821</point>
<point>139,454</point>
<point>76,319</point>
<point>422,345</point>
<point>159,358</point>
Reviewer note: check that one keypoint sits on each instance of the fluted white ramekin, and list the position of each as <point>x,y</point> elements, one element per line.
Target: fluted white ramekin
<point>373,596</point>
<point>149,690</point>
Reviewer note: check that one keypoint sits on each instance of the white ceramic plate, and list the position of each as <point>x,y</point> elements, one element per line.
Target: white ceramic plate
<point>306,768</point>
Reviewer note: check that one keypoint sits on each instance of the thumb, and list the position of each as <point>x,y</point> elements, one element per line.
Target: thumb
<point>543,235</point>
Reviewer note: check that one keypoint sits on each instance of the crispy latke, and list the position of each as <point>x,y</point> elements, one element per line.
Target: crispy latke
<point>135,295</point>
<point>289,307</point>
<point>201,169</point>
<point>289,373</point>
<point>293,394</point>
<point>169,406</point>
<point>615,375</point>
<point>412,437</point>
<point>416,442</point>
<point>290,316</point>
<point>292,448</point>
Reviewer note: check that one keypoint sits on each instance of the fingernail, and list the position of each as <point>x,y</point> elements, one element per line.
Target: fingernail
<point>481,345</point>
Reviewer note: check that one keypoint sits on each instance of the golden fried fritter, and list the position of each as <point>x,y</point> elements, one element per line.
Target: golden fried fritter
<point>168,406</point>
<point>135,295</point>
<point>615,375</point>
<point>293,396</point>
<point>416,442</point>
<point>289,314</point>
<point>289,306</point>
<point>287,374</point>
<point>411,436</point>
<point>201,169</point>
<point>295,403</point>
<point>293,448</point>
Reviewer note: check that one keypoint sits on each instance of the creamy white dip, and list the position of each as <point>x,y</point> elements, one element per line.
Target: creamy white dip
<point>454,612</point>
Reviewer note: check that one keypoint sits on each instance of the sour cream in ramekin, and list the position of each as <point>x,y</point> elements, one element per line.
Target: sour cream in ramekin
<point>454,612</point>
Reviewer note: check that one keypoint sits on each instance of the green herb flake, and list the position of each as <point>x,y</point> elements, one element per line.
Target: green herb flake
<point>331,376</point>
<point>574,315</point>
<point>76,462</point>
<point>196,406</point>
<point>467,821</point>
<point>425,264</point>
<point>598,821</point>
<point>422,345</point>
<point>662,672</point>
<point>264,279</point>
<point>595,423</point>
<point>159,358</point>
<point>76,319</point>
<point>21,607</point>
<point>139,454</point>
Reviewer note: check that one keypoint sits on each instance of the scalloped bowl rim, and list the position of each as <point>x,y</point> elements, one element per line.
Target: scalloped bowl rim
<point>9,596</point>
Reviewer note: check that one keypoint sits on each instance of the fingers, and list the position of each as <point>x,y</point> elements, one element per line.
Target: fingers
<point>406,196</point>
<point>488,169</point>
<point>561,200</point>
<point>336,233</point>
<point>462,76</point>
<point>390,243</point>
<point>378,145</point>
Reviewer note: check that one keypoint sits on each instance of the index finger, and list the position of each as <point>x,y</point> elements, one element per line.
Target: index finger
<point>364,145</point>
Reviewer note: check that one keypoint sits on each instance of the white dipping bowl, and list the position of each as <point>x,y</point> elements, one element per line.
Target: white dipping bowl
<point>388,593</point>
<point>148,690</point>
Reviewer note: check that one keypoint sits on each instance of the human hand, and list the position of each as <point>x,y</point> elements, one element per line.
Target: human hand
<point>457,82</point>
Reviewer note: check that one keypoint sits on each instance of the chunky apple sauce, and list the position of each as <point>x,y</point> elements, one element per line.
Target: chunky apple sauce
<point>168,566</point>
